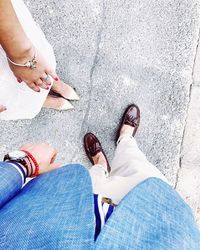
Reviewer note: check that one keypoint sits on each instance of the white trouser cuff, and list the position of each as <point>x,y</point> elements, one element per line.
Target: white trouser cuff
<point>125,136</point>
<point>100,169</point>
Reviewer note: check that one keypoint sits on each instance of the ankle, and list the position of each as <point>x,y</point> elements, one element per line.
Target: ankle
<point>126,130</point>
<point>102,163</point>
<point>99,159</point>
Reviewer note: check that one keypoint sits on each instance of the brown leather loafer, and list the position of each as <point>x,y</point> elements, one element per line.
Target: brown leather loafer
<point>130,117</point>
<point>92,147</point>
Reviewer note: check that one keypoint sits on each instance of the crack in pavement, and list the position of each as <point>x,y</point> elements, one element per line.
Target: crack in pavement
<point>93,67</point>
<point>187,112</point>
<point>95,62</point>
<point>183,138</point>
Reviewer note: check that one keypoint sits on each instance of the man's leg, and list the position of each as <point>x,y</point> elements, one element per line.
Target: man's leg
<point>100,171</point>
<point>99,176</point>
<point>130,161</point>
<point>114,188</point>
<point>129,167</point>
<point>102,183</point>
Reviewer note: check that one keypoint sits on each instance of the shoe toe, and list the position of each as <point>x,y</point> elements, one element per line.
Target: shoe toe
<point>92,144</point>
<point>132,116</point>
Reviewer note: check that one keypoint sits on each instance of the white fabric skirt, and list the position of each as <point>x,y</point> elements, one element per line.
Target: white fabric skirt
<point>20,100</point>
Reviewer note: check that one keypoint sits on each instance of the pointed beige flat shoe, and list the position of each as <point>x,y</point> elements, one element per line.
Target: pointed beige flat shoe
<point>62,89</point>
<point>57,103</point>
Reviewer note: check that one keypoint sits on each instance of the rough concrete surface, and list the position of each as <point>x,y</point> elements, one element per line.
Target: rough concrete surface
<point>189,175</point>
<point>196,70</point>
<point>114,53</point>
<point>188,181</point>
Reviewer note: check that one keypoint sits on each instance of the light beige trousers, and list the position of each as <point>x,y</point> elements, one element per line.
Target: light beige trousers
<point>128,168</point>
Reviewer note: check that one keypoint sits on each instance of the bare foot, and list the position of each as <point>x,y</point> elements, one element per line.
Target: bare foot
<point>2,108</point>
<point>100,159</point>
<point>65,90</point>
<point>57,103</point>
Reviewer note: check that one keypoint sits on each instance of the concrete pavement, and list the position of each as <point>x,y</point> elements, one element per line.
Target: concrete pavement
<point>115,53</point>
<point>188,177</point>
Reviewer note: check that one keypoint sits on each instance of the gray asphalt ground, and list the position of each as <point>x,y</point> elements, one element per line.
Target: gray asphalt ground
<point>115,53</point>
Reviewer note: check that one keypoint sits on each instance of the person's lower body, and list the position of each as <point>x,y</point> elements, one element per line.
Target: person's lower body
<point>22,102</point>
<point>129,166</point>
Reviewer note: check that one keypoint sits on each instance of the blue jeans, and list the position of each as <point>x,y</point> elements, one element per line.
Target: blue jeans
<point>55,211</point>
